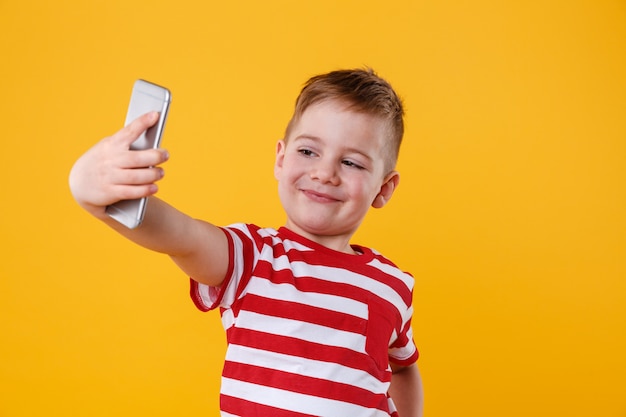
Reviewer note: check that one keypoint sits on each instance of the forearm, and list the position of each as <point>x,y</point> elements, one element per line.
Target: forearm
<point>197,247</point>
<point>110,171</point>
<point>161,230</point>
<point>406,391</point>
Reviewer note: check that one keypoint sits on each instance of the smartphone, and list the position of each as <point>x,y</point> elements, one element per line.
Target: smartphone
<point>145,97</point>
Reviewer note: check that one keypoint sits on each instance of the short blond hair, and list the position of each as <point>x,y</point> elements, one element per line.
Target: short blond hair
<point>364,91</point>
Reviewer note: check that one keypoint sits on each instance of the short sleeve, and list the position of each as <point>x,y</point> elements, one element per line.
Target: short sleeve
<point>404,351</point>
<point>241,259</point>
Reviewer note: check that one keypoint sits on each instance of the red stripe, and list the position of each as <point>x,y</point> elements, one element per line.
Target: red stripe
<point>356,265</point>
<point>317,315</point>
<point>309,350</point>
<point>403,338</point>
<point>307,385</point>
<point>327,258</point>
<point>240,407</point>
<point>195,291</point>
<point>247,254</point>
<point>252,243</point>
<point>406,362</point>
<point>305,313</point>
<point>368,272</point>
<point>253,231</point>
<point>264,270</point>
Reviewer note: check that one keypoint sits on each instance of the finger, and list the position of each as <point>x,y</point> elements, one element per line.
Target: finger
<point>143,176</point>
<point>133,130</point>
<point>131,192</point>
<point>145,158</point>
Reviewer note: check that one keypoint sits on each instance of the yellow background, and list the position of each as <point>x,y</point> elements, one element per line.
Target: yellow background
<point>510,213</point>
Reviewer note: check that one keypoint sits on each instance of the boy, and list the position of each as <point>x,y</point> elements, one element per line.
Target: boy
<point>315,326</point>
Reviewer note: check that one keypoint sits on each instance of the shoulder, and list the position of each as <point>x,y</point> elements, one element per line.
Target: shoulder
<point>250,237</point>
<point>250,231</point>
<point>385,267</point>
<point>380,260</point>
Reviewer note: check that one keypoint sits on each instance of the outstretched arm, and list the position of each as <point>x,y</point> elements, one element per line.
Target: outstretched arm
<point>406,390</point>
<point>110,172</point>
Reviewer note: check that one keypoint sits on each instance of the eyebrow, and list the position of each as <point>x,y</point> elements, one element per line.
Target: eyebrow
<point>305,136</point>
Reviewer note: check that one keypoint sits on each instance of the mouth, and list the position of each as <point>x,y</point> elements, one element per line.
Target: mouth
<point>319,197</point>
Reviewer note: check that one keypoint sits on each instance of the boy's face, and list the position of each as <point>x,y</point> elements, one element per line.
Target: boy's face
<point>330,170</point>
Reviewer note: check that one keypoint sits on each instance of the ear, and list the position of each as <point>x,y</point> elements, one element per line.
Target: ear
<point>386,190</point>
<point>280,156</point>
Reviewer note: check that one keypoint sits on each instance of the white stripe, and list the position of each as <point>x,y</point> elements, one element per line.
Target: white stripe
<point>205,295</point>
<point>395,272</point>
<point>290,245</point>
<point>228,319</point>
<point>287,292</point>
<point>304,331</point>
<point>309,367</point>
<point>239,264</point>
<point>230,291</point>
<point>339,275</point>
<point>292,401</point>
<point>404,352</point>
<point>278,264</point>
<point>266,232</point>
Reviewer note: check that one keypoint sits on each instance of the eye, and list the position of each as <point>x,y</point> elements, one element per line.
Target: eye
<point>306,152</point>
<point>352,164</point>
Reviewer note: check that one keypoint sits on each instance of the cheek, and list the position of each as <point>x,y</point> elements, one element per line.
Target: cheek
<point>294,167</point>
<point>359,188</point>
<point>370,191</point>
<point>290,172</point>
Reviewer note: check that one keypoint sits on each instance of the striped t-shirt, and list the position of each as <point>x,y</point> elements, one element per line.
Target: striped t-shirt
<point>310,330</point>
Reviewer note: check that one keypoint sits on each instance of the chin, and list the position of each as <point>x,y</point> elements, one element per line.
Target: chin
<point>322,229</point>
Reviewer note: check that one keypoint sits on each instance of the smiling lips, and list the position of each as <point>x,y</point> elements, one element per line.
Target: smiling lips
<point>319,197</point>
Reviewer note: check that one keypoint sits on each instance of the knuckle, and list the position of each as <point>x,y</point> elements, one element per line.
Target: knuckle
<point>137,191</point>
<point>128,193</point>
<point>138,159</point>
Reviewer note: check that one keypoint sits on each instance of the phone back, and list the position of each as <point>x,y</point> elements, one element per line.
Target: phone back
<point>146,97</point>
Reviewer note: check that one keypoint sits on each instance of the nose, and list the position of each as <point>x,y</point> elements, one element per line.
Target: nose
<point>325,171</point>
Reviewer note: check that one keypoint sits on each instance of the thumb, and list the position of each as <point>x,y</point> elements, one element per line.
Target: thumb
<point>133,130</point>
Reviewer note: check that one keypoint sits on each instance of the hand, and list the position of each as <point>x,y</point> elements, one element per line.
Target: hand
<point>110,171</point>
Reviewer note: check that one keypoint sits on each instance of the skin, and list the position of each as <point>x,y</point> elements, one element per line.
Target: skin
<point>330,171</point>
<point>407,390</point>
<point>109,172</point>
